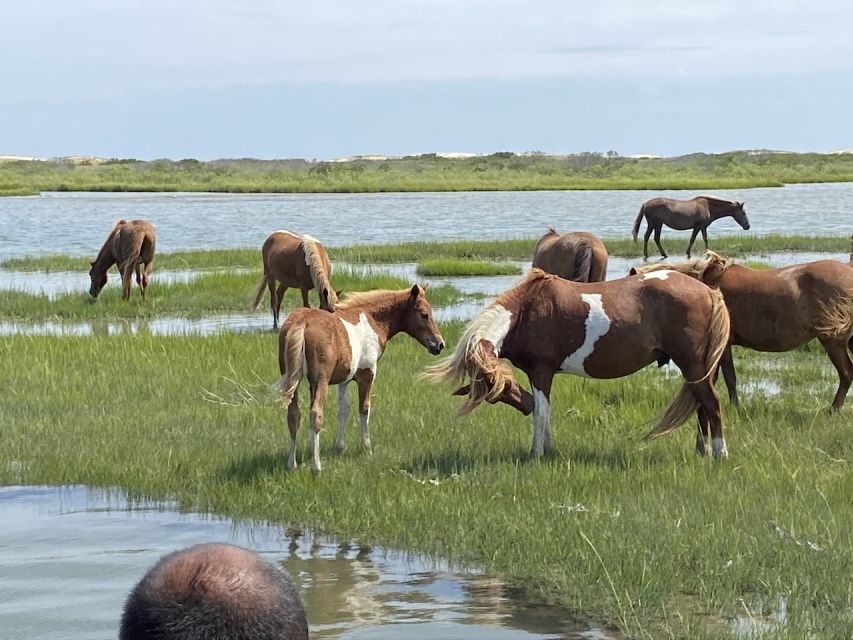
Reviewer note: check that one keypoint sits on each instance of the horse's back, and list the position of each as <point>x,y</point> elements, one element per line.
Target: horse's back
<point>576,255</point>
<point>284,256</point>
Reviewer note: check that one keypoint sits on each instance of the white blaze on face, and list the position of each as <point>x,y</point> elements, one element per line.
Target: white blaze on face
<point>596,325</point>
<point>364,345</point>
<point>659,275</point>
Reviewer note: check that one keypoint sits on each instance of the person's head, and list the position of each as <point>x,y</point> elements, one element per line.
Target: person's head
<point>214,592</point>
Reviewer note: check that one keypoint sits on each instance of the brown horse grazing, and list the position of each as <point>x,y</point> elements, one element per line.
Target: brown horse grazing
<point>337,348</point>
<point>696,213</point>
<point>547,325</point>
<point>295,261</point>
<point>129,245</point>
<point>577,255</point>
<point>782,309</point>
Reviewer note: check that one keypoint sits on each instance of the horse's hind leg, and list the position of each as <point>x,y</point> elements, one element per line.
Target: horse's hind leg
<point>709,405</point>
<point>364,378</point>
<point>657,240</point>
<point>343,415</point>
<point>692,240</point>
<point>837,351</point>
<point>319,390</point>
<point>293,419</point>
<point>149,266</point>
<point>646,237</point>
<point>702,433</point>
<point>305,302</point>
<point>127,279</point>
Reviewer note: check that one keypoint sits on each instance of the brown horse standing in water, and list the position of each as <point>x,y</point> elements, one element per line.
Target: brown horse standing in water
<point>295,261</point>
<point>577,255</point>
<point>782,309</point>
<point>696,213</point>
<point>129,245</point>
<point>336,348</point>
<point>547,325</point>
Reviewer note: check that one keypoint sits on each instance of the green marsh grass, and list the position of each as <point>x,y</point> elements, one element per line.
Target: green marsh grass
<point>646,536</point>
<point>450,267</point>
<point>507,249</point>
<point>217,292</point>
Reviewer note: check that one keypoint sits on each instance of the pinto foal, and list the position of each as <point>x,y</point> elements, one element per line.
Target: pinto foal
<point>336,348</point>
<point>546,325</point>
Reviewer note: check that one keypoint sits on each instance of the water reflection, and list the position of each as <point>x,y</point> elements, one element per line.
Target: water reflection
<point>69,556</point>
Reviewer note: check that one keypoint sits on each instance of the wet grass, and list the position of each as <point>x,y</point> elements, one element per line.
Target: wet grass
<point>450,267</point>
<point>644,535</point>
<point>507,249</point>
<point>210,293</point>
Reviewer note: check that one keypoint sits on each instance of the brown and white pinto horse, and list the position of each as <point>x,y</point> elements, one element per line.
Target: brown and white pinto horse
<point>782,309</point>
<point>336,348</point>
<point>578,256</point>
<point>295,261</point>
<point>546,325</point>
<point>696,213</point>
<point>130,244</point>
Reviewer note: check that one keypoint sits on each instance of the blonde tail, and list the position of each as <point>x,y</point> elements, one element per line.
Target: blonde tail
<point>294,357</point>
<point>685,404</point>
<point>259,292</point>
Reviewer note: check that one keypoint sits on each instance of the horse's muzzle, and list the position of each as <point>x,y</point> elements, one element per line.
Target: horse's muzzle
<point>435,346</point>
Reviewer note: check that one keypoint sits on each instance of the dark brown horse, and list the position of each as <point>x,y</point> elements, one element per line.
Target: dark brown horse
<point>336,348</point>
<point>129,245</point>
<point>696,213</point>
<point>546,325</point>
<point>782,309</point>
<point>577,255</point>
<point>295,261</point>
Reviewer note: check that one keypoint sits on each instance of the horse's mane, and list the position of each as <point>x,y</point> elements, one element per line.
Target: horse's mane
<point>318,273</point>
<point>719,201</point>
<point>376,298</point>
<point>695,268</point>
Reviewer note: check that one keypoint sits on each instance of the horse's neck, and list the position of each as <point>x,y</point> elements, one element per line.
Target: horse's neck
<point>720,210</point>
<point>105,258</point>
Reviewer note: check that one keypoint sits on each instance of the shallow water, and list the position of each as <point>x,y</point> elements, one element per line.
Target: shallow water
<point>79,222</point>
<point>70,555</point>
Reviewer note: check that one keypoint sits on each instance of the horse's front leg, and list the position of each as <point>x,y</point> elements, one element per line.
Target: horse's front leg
<point>305,297</point>
<point>692,240</point>
<point>727,366</point>
<point>343,415</point>
<point>365,378</point>
<point>319,390</point>
<point>540,383</point>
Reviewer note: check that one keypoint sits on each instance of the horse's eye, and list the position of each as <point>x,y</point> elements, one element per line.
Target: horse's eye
<point>424,316</point>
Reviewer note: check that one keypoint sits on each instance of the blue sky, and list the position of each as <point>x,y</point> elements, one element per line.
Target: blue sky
<point>332,78</point>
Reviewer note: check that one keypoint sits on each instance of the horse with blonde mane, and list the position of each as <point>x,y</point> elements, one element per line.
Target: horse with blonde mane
<point>298,261</point>
<point>577,255</point>
<point>129,245</point>
<point>547,325</point>
<point>344,346</point>
<point>781,309</point>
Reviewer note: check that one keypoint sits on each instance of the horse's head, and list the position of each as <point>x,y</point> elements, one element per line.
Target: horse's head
<point>98,279</point>
<point>715,265</point>
<point>329,298</point>
<point>492,380</point>
<point>417,321</point>
<point>739,214</point>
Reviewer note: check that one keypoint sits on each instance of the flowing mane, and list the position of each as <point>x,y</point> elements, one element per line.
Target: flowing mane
<point>373,299</point>
<point>695,268</point>
<point>318,273</point>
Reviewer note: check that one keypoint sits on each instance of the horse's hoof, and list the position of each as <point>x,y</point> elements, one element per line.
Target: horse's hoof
<point>339,448</point>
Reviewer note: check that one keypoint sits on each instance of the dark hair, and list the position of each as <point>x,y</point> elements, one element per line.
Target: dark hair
<point>214,592</point>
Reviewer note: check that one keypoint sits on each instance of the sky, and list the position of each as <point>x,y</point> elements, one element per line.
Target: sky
<point>327,79</point>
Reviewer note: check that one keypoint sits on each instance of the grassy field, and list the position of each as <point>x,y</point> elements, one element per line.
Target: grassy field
<point>488,250</point>
<point>502,171</point>
<point>645,536</point>
<point>452,267</point>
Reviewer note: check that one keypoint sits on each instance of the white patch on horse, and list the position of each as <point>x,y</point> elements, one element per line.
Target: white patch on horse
<point>663,274</point>
<point>596,325</point>
<point>493,325</point>
<point>364,345</point>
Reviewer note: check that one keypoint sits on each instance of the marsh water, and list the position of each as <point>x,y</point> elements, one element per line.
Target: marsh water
<point>77,223</point>
<point>70,556</point>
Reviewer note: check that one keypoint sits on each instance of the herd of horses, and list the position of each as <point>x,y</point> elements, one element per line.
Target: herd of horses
<point>563,317</point>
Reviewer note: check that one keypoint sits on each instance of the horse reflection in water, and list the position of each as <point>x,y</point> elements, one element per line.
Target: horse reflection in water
<point>781,309</point>
<point>577,255</point>
<point>547,325</point>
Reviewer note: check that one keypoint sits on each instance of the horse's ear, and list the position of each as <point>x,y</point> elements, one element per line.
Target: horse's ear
<point>91,263</point>
<point>425,286</point>
<point>633,271</point>
<point>463,391</point>
<point>416,290</point>
<point>339,292</point>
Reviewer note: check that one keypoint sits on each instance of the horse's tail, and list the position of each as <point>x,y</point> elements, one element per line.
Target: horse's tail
<point>836,316</point>
<point>259,290</point>
<point>133,252</point>
<point>637,222</point>
<point>685,404</point>
<point>294,357</point>
<point>584,264</point>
